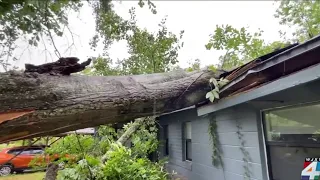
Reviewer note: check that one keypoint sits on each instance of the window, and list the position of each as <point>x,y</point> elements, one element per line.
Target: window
<point>292,134</point>
<point>187,141</point>
<point>14,151</point>
<point>166,138</point>
<point>19,151</point>
<point>27,152</point>
<point>37,151</point>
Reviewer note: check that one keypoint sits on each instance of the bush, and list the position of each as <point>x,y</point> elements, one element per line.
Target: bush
<point>125,163</point>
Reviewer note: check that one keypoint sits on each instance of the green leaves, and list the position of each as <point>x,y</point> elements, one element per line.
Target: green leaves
<point>214,93</point>
<point>31,19</point>
<point>122,164</point>
<point>215,144</point>
<point>193,65</point>
<point>126,163</point>
<point>303,16</point>
<point>150,52</point>
<point>239,45</point>
<point>151,5</point>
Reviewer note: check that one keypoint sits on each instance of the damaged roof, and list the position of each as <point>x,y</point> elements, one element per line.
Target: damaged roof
<point>252,80</point>
<point>272,66</point>
<point>267,68</point>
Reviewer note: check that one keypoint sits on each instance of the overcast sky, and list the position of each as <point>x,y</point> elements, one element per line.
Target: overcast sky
<point>197,18</point>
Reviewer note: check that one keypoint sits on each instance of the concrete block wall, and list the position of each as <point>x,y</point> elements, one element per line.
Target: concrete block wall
<point>176,151</point>
<point>201,167</point>
<point>230,143</point>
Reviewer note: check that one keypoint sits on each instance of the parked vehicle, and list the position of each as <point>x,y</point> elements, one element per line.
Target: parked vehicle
<point>17,159</point>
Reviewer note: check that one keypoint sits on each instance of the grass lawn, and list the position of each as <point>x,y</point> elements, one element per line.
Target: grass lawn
<point>26,176</point>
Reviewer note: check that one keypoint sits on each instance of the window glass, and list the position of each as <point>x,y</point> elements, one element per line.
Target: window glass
<point>37,151</point>
<point>292,134</point>
<point>188,141</point>
<point>187,130</point>
<point>166,138</point>
<point>188,150</point>
<point>14,151</point>
<point>297,125</point>
<point>27,152</point>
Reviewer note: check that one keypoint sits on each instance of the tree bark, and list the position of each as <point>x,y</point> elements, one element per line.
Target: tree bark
<point>52,172</point>
<point>33,104</point>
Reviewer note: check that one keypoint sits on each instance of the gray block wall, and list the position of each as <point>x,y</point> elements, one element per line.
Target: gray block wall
<point>201,167</point>
<point>176,151</point>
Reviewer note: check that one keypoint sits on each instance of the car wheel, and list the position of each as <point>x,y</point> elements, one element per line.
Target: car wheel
<point>5,170</point>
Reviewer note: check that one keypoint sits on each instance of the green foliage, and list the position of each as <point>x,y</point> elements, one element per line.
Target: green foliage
<point>149,52</point>
<point>151,5</point>
<point>145,139</point>
<point>215,144</point>
<point>217,84</point>
<point>194,66</point>
<point>212,68</point>
<point>246,156</point>
<point>32,19</point>
<point>152,53</point>
<point>72,144</point>
<point>240,45</point>
<point>304,16</point>
<point>123,162</point>
<point>75,145</point>
<point>102,66</point>
<point>87,168</point>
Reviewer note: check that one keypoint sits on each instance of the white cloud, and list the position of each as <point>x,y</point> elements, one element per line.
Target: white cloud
<point>197,18</point>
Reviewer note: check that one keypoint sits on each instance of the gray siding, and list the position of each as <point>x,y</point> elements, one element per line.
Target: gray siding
<point>201,167</point>
<point>176,151</point>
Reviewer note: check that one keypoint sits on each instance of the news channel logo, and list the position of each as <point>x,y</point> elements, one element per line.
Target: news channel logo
<point>311,169</point>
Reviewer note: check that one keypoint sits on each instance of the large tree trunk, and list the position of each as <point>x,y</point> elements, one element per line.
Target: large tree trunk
<point>33,104</point>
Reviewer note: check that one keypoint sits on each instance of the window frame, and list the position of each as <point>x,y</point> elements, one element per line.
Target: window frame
<point>186,142</point>
<point>283,143</point>
<point>166,139</point>
<point>269,144</point>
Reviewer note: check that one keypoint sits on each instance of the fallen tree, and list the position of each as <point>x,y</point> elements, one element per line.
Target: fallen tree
<point>46,100</point>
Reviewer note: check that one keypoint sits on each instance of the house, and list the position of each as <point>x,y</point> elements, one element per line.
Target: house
<point>264,126</point>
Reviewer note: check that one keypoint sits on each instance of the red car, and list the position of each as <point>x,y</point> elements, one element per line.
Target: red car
<point>20,162</point>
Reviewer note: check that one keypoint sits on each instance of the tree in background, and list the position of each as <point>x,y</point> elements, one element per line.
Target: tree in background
<point>303,16</point>
<point>240,45</point>
<point>149,52</point>
<point>36,21</point>
<point>194,65</point>
<point>33,20</point>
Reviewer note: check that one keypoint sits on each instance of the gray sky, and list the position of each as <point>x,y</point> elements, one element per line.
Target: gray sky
<point>197,18</point>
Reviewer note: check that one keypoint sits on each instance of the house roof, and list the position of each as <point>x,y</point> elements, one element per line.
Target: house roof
<point>254,76</point>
